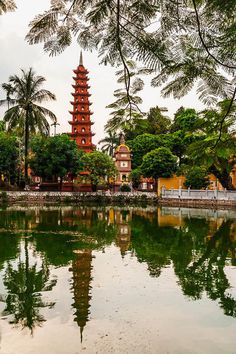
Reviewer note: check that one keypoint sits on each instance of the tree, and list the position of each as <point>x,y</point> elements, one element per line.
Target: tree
<point>99,167</point>
<point>192,41</point>
<point>197,177</point>
<point>9,91</point>
<point>155,123</point>
<point>25,284</point>
<point>216,153</point>
<point>185,119</point>
<point>126,106</point>
<point>159,163</point>
<point>9,156</point>
<point>2,126</point>
<point>26,114</point>
<point>135,177</point>
<point>158,123</point>
<point>141,145</point>
<point>55,157</point>
<point>110,142</point>
<point>7,5</point>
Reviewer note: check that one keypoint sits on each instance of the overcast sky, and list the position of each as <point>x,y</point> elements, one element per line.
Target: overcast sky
<point>16,54</point>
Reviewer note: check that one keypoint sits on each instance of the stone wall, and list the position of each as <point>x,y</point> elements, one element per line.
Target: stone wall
<point>78,197</point>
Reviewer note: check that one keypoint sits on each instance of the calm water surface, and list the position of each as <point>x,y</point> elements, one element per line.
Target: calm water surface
<point>111,280</point>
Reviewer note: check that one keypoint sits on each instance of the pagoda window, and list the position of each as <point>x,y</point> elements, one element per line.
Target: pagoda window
<point>124,178</point>
<point>82,90</point>
<point>83,118</point>
<point>82,99</point>
<point>124,164</point>
<point>75,130</point>
<point>83,141</point>
<point>83,130</point>
<point>82,108</point>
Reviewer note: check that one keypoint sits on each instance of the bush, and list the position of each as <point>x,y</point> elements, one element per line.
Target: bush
<point>125,188</point>
<point>4,197</point>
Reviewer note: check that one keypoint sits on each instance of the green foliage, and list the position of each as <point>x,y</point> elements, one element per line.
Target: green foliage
<point>192,41</point>
<point>135,177</point>
<point>155,123</point>
<point>218,156</point>
<point>197,177</point>
<point>26,116</point>
<point>110,142</point>
<point>125,188</point>
<point>4,197</point>
<point>9,156</point>
<point>141,145</point>
<point>99,166</point>
<point>159,163</point>
<point>185,119</point>
<point>55,156</point>
<point>2,126</point>
<point>158,123</point>
<point>125,109</point>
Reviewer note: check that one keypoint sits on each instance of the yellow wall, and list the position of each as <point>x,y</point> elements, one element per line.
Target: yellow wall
<point>174,182</point>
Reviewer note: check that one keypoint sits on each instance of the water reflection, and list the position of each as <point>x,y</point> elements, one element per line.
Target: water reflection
<point>198,245</point>
<point>81,270</point>
<point>24,281</point>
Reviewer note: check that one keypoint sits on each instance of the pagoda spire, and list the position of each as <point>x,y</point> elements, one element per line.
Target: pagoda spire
<point>81,58</point>
<point>81,123</point>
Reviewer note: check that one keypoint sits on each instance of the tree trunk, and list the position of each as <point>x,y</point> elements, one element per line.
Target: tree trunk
<point>224,178</point>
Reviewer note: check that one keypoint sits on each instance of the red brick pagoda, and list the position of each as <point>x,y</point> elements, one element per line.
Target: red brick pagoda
<point>81,123</point>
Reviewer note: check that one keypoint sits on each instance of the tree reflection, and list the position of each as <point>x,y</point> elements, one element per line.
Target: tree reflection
<point>206,273</point>
<point>24,283</point>
<point>198,254</point>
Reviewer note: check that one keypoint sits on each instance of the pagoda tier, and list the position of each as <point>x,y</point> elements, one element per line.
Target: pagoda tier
<point>76,133</point>
<point>80,112</point>
<point>80,85</point>
<point>81,123</point>
<point>76,103</point>
<point>81,77</point>
<point>71,122</point>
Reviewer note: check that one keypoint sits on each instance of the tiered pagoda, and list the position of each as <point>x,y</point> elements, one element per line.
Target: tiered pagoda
<point>81,122</point>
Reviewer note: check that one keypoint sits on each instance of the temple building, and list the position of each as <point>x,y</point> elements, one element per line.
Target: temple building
<point>123,163</point>
<point>81,114</point>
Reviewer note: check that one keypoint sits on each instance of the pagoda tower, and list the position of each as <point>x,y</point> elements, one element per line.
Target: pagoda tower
<point>81,123</point>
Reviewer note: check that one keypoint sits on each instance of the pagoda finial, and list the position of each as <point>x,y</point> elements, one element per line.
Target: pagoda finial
<point>81,58</point>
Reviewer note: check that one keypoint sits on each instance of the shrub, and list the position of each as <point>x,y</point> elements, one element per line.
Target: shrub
<point>125,188</point>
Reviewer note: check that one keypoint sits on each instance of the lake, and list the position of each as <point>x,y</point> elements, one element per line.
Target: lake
<point>117,280</point>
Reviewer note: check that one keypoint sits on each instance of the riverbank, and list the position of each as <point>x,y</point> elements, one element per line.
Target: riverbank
<point>104,198</point>
<point>197,203</point>
<point>98,198</point>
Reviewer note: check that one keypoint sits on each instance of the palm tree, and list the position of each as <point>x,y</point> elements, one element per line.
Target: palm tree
<point>9,91</point>
<point>25,113</point>
<point>25,284</point>
<point>110,142</point>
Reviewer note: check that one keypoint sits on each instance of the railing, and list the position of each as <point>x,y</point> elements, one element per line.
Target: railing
<point>198,194</point>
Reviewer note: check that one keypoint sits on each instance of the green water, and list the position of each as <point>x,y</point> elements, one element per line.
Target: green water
<point>111,280</point>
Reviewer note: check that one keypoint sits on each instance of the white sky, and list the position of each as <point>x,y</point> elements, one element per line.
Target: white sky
<point>15,54</point>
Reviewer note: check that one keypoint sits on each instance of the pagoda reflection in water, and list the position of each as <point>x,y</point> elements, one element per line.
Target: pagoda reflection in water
<point>82,268</point>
